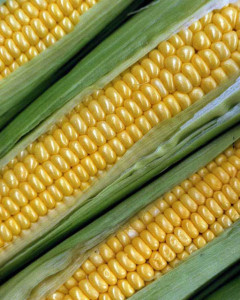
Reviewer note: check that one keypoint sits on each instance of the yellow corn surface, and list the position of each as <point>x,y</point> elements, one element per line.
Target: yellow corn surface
<point>157,239</point>
<point>29,27</point>
<point>96,133</point>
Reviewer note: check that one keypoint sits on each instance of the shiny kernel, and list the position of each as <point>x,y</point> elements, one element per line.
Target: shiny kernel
<point>230,194</point>
<point>186,36</point>
<point>185,53</point>
<point>189,228</point>
<point>39,207</point>
<point>134,255</point>
<point>206,19</point>
<point>172,217</point>
<point>135,280</point>
<point>188,202</point>
<point>174,243</point>
<point>173,64</point>
<point>230,67</point>
<point>196,94</point>
<point>196,26</point>
<point>214,207</point>
<point>77,294</point>
<point>221,50</point>
<point>157,232</point>
<point>4,214</point>
<point>141,247</point>
<point>107,274</point>
<point>182,236</point>
<point>167,79</point>
<point>230,39</point>
<point>115,293</point>
<point>199,222</point>
<point>221,22</point>
<point>5,233</point>
<point>191,73</point>
<point>106,252</point>
<point>79,275</point>
<point>166,49</point>
<point>206,214</point>
<point>13,226</point>
<point>167,253</point>
<point>161,205</point>
<point>146,272</point>
<point>97,282</point>
<point>158,84</point>
<point>201,41</point>
<point>219,75</point>
<point>181,210</point>
<point>199,242</point>
<point>200,65</point>
<point>208,236</point>
<point>208,84</point>
<point>157,58</point>
<point>151,68</point>
<point>213,182</point>
<point>231,14</point>
<point>55,193</point>
<point>23,222</point>
<point>125,288</point>
<point>210,58</point>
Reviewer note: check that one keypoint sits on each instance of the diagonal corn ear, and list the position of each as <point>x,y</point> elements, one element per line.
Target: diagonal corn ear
<point>116,56</point>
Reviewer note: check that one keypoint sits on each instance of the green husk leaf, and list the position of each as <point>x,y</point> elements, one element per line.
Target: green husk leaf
<point>164,145</point>
<point>28,82</point>
<point>230,291</point>
<point>217,283</point>
<point>159,21</point>
<point>52,269</point>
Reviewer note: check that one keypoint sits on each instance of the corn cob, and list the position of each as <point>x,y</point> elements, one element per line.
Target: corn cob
<point>183,220</point>
<point>28,27</point>
<point>93,136</point>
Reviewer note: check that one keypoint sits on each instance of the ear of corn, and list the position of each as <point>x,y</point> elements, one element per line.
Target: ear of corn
<point>45,24</point>
<point>160,21</point>
<point>152,165</point>
<point>159,156</point>
<point>53,269</point>
<point>53,170</point>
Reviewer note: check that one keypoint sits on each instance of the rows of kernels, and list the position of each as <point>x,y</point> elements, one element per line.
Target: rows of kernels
<point>29,27</point>
<point>93,136</point>
<point>177,224</point>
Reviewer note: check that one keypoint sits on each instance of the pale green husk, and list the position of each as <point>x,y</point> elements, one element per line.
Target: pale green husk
<point>51,270</point>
